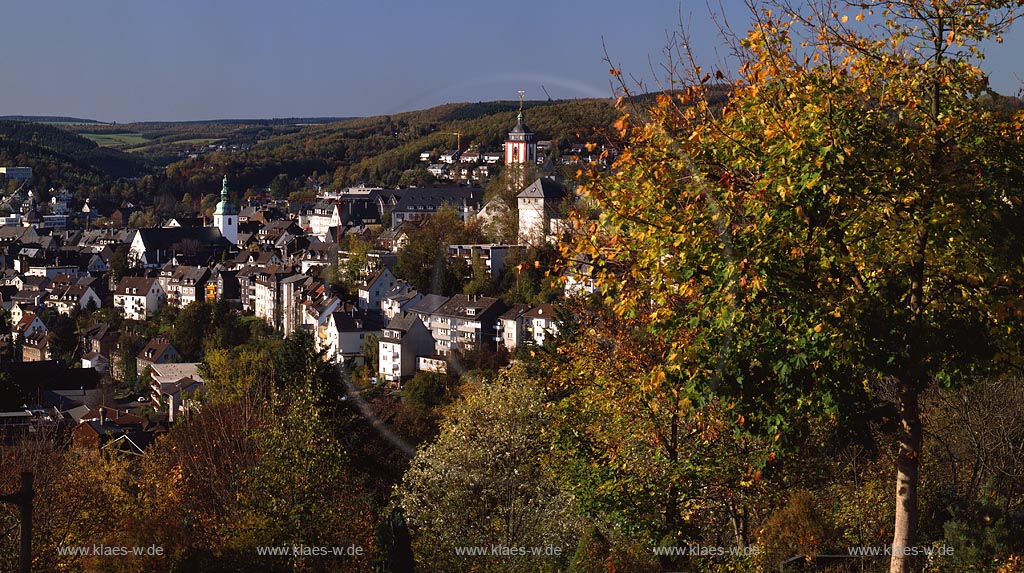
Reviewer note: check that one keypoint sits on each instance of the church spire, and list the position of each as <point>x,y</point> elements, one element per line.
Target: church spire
<point>225,215</point>
<point>522,94</point>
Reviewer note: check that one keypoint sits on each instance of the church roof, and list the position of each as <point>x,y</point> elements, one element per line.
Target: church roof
<point>166,238</point>
<point>225,207</point>
<point>520,127</point>
<point>543,188</point>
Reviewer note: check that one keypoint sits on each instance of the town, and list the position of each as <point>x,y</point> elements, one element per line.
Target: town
<point>304,289</point>
<point>277,261</point>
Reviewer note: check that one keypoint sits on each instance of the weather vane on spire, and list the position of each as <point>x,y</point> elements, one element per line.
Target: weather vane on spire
<point>522,93</point>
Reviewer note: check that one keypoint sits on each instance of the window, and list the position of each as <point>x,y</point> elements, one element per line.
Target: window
<point>229,220</point>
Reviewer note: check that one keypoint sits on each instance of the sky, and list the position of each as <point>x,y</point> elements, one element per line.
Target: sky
<point>153,60</point>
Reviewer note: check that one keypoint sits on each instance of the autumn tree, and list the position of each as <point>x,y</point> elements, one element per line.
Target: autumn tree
<point>842,229</point>
<point>424,261</point>
<point>485,481</point>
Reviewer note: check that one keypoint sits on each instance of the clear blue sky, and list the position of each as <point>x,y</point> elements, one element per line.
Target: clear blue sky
<point>134,60</point>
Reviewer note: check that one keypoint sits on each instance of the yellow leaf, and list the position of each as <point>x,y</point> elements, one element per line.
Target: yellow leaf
<point>844,19</point>
<point>860,17</point>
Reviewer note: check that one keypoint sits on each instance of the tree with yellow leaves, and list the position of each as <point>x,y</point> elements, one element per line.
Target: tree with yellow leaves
<point>844,228</point>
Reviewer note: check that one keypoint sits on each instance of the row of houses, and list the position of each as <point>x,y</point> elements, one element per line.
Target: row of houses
<point>424,332</point>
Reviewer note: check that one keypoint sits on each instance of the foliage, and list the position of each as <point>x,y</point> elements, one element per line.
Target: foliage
<point>777,255</point>
<point>427,390</point>
<point>60,158</point>
<point>354,268</point>
<point>371,353</point>
<point>126,365</point>
<point>62,340</point>
<point>484,482</point>
<point>794,530</point>
<point>424,261</point>
<point>235,374</point>
<point>201,326</point>
<point>528,277</point>
<point>481,282</point>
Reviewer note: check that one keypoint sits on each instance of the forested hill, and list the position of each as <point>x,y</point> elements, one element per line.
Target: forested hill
<point>46,119</point>
<point>385,149</point>
<point>59,158</point>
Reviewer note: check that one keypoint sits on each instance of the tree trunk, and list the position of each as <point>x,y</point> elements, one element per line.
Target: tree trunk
<point>907,477</point>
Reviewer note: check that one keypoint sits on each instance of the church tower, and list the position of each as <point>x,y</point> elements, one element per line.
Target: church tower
<point>225,216</point>
<point>520,146</point>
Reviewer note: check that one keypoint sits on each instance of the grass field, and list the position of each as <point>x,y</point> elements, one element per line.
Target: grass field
<point>196,141</point>
<point>118,140</point>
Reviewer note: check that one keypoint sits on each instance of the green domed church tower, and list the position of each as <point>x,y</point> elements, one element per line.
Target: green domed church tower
<point>225,216</point>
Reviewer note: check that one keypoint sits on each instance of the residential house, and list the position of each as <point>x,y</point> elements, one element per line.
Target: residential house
<point>99,338</point>
<point>420,203</point>
<point>189,285</point>
<point>28,324</point>
<point>35,346</point>
<point>318,255</point>
<point>403,340</point>
<point>75,297</point>
<point>96,361</point>
<point>18,310</point>
<point>394,240</point>
<point>465,322</point>
<point>175,385</point>
<point>324,215</point>
<point>345,333</point>
<point>450,156</point>
<point>540,324</point>
<point>292,289</point>
<point>371,291</point>
<point>225,287</point>
<point>138,298</point>
<point>246,278</point>
<point>111,428</point>
<point>157,351</point>
<point>427,306</point>
<point>398,299</point>
<point>491,255</point>
<point>266,291</point>
<point>510,329</point>
<point>313,304</point>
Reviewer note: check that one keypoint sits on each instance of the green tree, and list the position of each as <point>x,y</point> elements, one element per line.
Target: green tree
<point>480,281</point>
<point>62,341</point>
<point>371,354</point>
<point>484,482</point>
<point>209,204</point>
<point>427,390</point>
<point>794,262</point>
<point>424,261</point>
<point>280,186</point>
<point>354,268</point>
<point>119,264</point>
<point>192,327</point>
<point>126,364</point>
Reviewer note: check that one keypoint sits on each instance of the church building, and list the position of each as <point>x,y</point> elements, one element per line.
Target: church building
<point>225,216</point>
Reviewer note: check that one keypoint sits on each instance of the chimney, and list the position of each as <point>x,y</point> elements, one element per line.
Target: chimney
<point>103,415</point>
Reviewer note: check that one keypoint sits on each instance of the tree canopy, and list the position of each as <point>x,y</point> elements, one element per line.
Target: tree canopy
<point>839,233</point>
